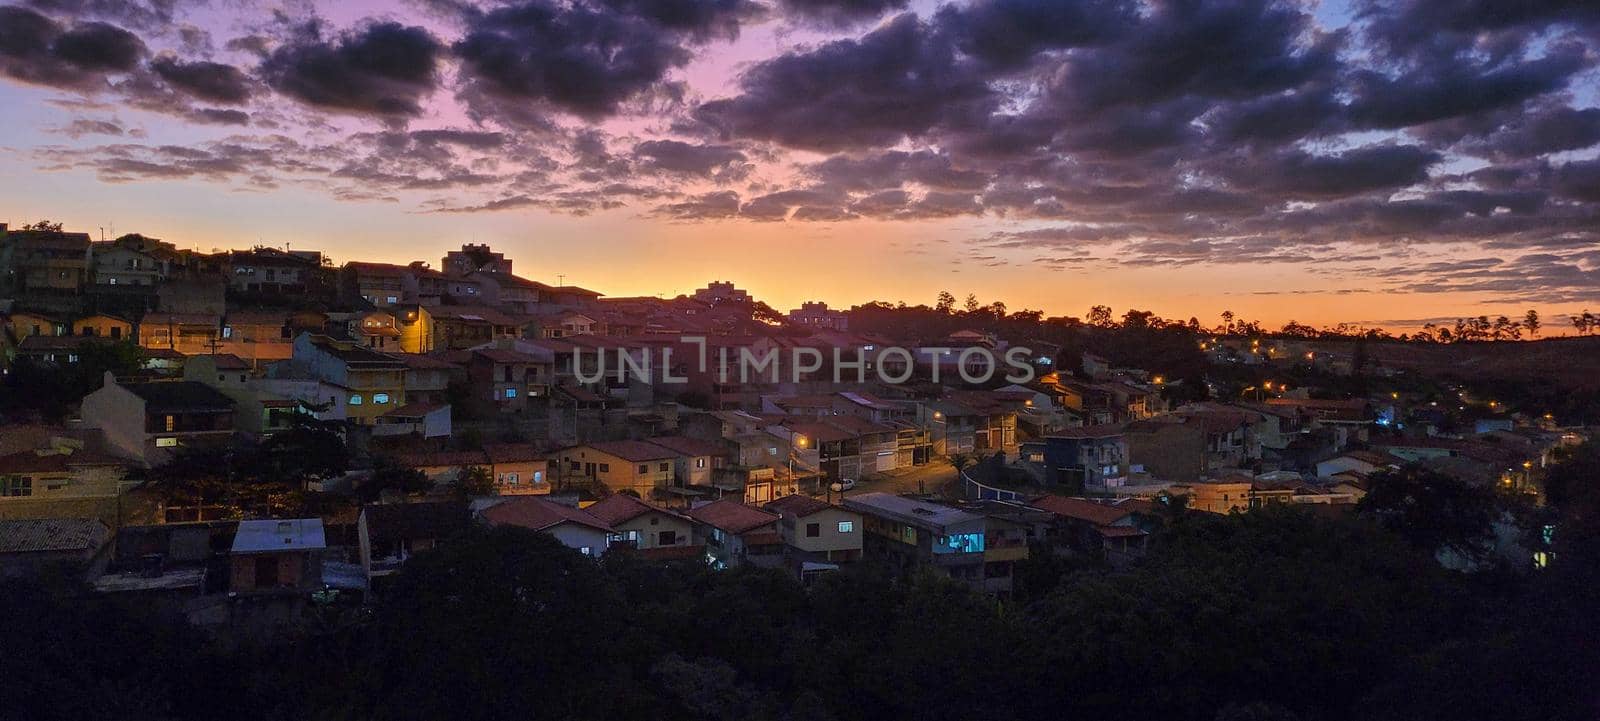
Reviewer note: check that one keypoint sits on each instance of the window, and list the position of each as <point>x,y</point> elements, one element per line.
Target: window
<point>227,331</point>
<point>355,400</point>
<point>116,331</point>
<point>16,486</point>
<point>847,526</point>
<point>166,443</point>
<point>511,393</point>
<point>392,300</point>
<point>604,467</point>
<point>813,530</point>
<point>666,466</point>
<point>511,479</point>
<point>644,468</point>
<point>171,423</point>
<point>699,463</point>
<point>772,450</point>
<point>380,398</point>
<point>538,476</point>
<point>585,550</point>
<point>667,538</point>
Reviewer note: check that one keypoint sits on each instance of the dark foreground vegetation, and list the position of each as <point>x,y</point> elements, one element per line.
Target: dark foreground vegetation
<point>1275,614</point>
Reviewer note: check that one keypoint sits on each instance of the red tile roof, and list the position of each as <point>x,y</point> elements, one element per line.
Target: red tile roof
<point>686,446</point>
<point>732,516</point>
<point>621,507</point>
<point>538,514</point>
<point>1079,509</point>
<point>633,450</point>
<point>797,506</point>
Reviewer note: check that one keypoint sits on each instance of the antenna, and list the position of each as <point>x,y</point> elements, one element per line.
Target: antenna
<point>561,280</point>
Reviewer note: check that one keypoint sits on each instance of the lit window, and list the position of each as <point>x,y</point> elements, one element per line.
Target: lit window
<point>699,463</point>
<point>227,332</point>
<point>538,476</point>
<point>380,398</point>
<point>511,393</point>
<point>393,299</point>
<point>166,442</point>
<point>847,526</point>
<point>171,421</point>
<point>355,400</point>
<point>512,479</point>
<point>587,551</point>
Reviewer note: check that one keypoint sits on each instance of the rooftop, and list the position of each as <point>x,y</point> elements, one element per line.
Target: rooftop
<point>538,514</point>
<point>163,396</point>
<point>620,508</point>
<point>274,535</point>
<point>922,514</point>
<point>731,516</point>
<point>52,534</point>
<point>798,506</point>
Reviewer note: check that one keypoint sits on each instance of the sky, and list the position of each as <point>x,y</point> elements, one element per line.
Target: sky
<point>1379,163</point>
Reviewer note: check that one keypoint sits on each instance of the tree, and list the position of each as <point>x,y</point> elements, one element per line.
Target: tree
<point>1584,323</point>
<point>475,481</point>
<point>1227,322</point>
<point>389,474</point>
<point>1434,511</point>
<point>44,226</point>
<point>1100,316</point>
<point>1531,323</point>
<point>972,305</point>
<point>947,302</point>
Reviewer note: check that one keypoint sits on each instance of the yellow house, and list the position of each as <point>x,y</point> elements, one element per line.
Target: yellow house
<point>644,468</point>
<point>101,325</point>
<point>25,324</point>
<point>651,531</point>
<point>373,382</point>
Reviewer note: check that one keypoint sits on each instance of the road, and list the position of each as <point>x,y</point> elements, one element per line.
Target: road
<point>929,478</point>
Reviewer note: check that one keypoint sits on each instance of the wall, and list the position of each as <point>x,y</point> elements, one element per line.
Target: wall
<point>829,538</point>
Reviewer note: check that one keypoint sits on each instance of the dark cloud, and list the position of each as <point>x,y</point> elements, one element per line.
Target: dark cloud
<point>384,69</point>
<point>1527,135</point>
<point>583,57</point>
<point>1579,180</point>
<point>897,81</point>
<point>214,82</point>
<point>839,13</point>
<point>478,140</point>
<point>1298,174</point>
<point>718,204</point>
<point>1455,86</point>
<point>35,49</point>
<point>1009,33</point>
<point>672,156</point>
<point>895,168</point>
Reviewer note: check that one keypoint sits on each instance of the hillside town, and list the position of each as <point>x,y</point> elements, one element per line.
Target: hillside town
<point>249,433</point>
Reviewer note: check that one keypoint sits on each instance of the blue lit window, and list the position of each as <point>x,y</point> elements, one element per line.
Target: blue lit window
<point>511,393</point>
<point>847,526</point>
<point>380,398</point>
<point>355,400</point>
<point>961,543</point>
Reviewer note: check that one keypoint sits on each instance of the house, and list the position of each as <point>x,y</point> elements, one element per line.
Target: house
<point>572,527</point>
<point>645,529</point>
<point>371,384</point>
<point>43,261</point>
<point>388,534</point>
<point>149,421</point>
<point>102,325</point>
<point>638,466</point>
<point>1101,528</point>
<point>117,264</point>
<point>906,533</point>
<point>258,336</point>
<point>507,291</point>
<point>443,467</point>
<point>54,349</point>
<point>1362,462</point>
<point>1082,457</point>
<point>817,531</point>
<point>381,284</point>
<point>24,324</point>
<point>277,556</point>
<point>694,460</point>
<point>28,547</point>
<point>59,477</point>
<point>186,333</point>
<point>269,270</point>
<point>518,468</point>
<point>420,420</point>
<point>427,378</point>
<point>458,327</point>
<point>735,534</point>
<point>506,377</point>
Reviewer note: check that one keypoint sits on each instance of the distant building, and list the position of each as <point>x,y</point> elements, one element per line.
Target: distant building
<point>721,291</point>
<point>474,257</point>
<point>43,261</point>
<point>816,314</point>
